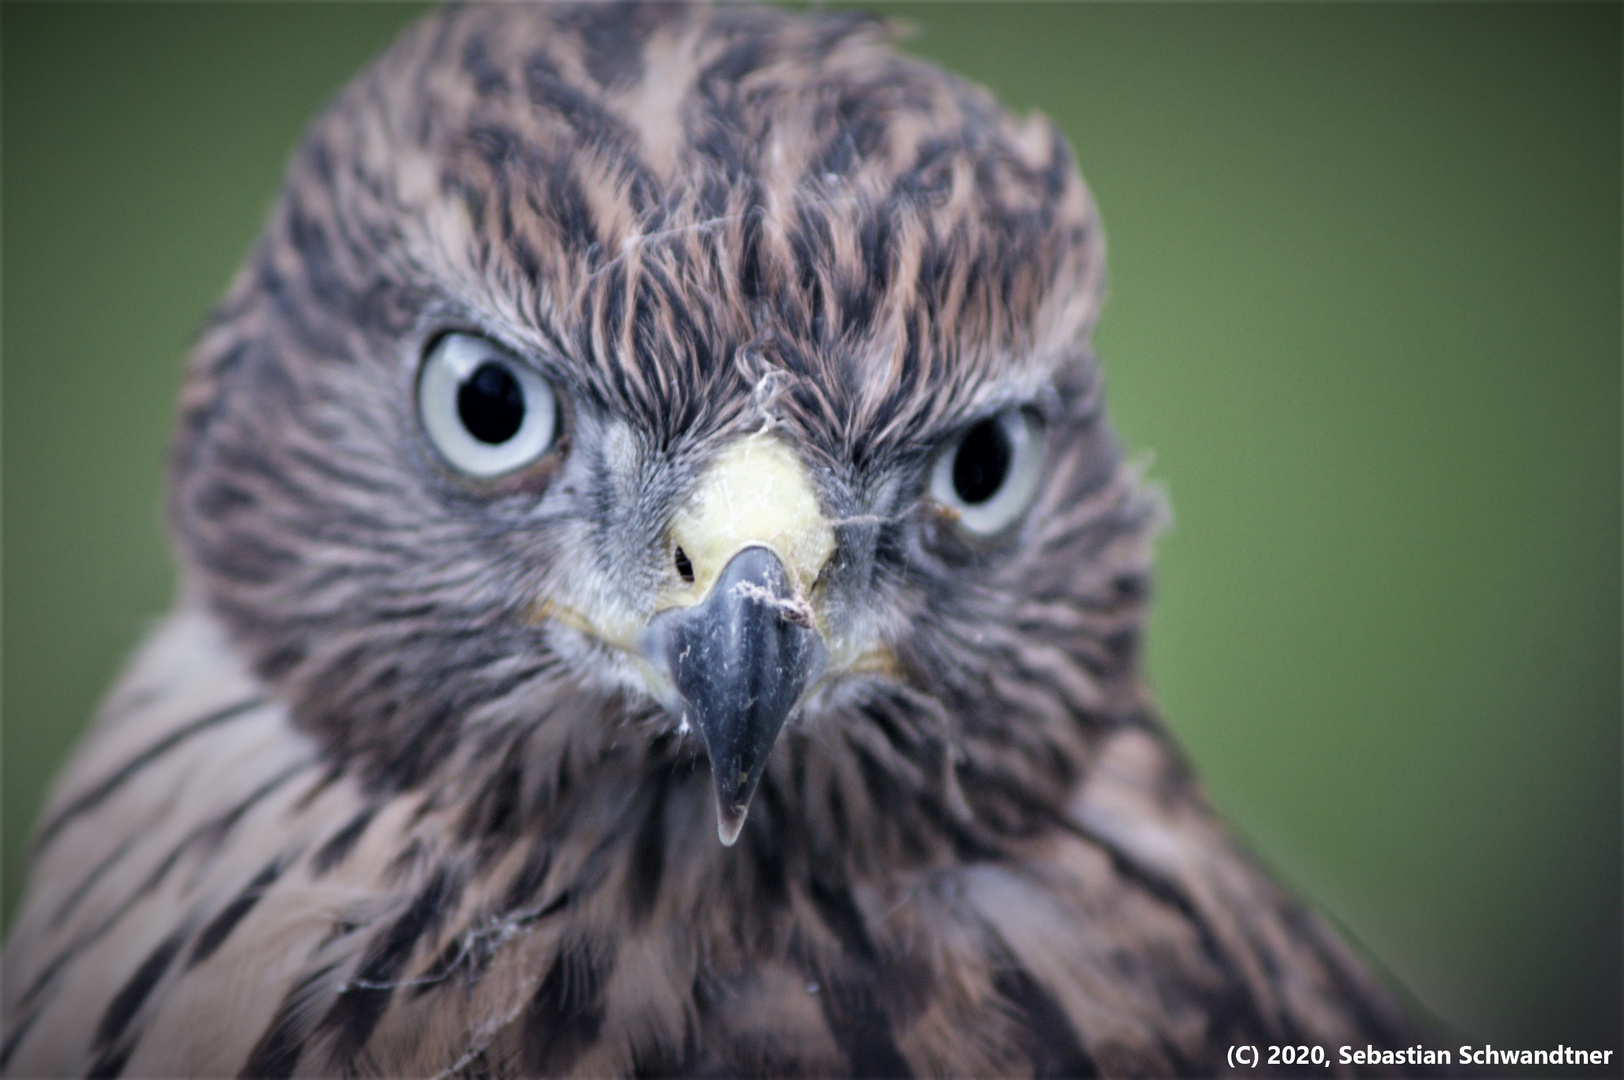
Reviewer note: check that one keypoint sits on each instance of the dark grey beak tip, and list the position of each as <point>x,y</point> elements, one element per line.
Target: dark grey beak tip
<point>740,660</point>
<point>729,822</point>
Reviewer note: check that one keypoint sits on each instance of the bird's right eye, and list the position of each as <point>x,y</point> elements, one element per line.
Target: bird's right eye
<point>486,411</point>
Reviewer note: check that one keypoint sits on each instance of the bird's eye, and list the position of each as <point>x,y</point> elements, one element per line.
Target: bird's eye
<point>485,410</point>
<point>988,475</point>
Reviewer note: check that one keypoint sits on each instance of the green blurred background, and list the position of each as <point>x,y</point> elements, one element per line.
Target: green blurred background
<point>1365,312</point>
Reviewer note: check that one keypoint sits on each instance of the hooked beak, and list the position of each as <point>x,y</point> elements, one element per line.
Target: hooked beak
<point>739,640</point>
<point>740,661</point>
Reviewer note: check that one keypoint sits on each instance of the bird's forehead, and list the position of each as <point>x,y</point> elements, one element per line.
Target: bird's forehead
<point>678,201</point>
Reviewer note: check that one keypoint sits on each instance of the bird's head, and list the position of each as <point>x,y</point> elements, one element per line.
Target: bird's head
<point>639,380</point>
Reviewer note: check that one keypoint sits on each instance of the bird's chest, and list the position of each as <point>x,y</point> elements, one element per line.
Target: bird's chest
<point>820,979</point>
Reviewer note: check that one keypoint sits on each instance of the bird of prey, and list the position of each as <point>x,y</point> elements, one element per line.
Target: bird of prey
<point>660,596</point>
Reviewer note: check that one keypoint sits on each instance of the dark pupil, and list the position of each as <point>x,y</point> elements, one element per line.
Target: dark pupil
<point>491,403</point>
<point>982,462</point>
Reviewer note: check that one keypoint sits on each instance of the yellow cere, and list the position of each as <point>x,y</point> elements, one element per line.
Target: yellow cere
<point>757,492</point>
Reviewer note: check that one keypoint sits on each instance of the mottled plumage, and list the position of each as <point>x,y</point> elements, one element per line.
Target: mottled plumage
<point>393,791</point>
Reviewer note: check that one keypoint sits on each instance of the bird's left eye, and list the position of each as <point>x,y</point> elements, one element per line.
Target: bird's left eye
<point>485,410</point>
<point>988,475</point>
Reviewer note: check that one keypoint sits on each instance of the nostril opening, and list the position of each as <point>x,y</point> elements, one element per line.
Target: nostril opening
<point>684,567</point>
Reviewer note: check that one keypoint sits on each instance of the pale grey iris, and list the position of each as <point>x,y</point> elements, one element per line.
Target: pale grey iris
<point>988,474</point>
<point>486,411</point>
